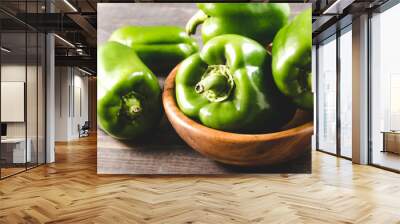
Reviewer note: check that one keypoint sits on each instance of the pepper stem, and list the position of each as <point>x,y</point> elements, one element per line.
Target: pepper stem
<point>216,84</point>
<point>269,49</point>
<point>131,105</point>
<point>193,22</point>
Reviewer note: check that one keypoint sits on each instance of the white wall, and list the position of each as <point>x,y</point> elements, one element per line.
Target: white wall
<point>12,73</point>
<point>33,126</point>
<point>62,81</point>
<point>71,94</point>
<point>80,110</point>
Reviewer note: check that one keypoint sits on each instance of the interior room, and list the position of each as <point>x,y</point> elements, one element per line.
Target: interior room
<point>50,136</point>
<point>23,96</point>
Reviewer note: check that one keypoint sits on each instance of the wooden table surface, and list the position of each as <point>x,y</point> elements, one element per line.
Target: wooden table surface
<point>164,152</point>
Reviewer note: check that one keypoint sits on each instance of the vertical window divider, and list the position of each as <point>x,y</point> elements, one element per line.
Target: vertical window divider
<point>37,90</point>
<point>45,73</point>
<point>369,97</point>
<point>60,88</point>
<point>69,92</point>
<point>316,96</point>
<point>45,91</point>
<point>73,91</point>
<point>0,93</point>
<point>338,76</point>
<point>26,86</point>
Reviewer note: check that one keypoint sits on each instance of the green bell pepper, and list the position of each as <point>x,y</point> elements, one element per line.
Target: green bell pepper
<point>259,21</point>
<point>229,86</point>
<point>161,48</point>
<point>129,96</point>
<point>291,60</point>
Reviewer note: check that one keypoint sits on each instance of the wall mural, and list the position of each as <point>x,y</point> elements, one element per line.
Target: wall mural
<point>207,88</point>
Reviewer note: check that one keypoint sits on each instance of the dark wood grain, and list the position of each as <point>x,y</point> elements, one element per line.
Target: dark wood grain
<point>166,153</point>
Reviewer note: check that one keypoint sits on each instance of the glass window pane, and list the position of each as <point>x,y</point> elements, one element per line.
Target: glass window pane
<point>23,85</point>
<point>327,96</point>
<point>14,153</point>
<point>32,97</point>
<point>346,94</point>
<point>385,87</point>
<point>32,87</point>
<point>41,98</point>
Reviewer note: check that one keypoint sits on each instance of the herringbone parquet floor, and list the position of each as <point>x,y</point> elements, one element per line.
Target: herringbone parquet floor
<point>69,191</point>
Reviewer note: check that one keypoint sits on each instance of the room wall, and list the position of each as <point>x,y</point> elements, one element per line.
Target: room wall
<point>62,81</point>
<point>33,126</point>
<point>71,102</point>
<point>79,103</point>
<point>15,72</point>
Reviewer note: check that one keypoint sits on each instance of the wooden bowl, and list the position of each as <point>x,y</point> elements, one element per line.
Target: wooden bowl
<point>234,148</point>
